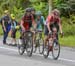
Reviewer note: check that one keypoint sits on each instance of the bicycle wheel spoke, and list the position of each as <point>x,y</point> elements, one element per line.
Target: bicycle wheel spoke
<point>56,50</point>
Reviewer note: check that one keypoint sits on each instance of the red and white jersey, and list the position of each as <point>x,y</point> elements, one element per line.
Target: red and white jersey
<point>51,19</point>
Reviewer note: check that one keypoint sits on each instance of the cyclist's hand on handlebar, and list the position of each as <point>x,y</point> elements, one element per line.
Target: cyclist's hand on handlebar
<point>23,30</point>
<point>34,30</point>
<point>50,32</point>
<point>62,34</point>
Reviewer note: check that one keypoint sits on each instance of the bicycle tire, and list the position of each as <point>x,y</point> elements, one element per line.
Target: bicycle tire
<point>29,53</point>
<point>47,48</point>
<point>21,47</point>
<point>41,46</point>
<point>55,58</point>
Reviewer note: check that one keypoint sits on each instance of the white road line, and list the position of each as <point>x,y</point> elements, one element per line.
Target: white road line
<point>63,59</point>
<point>8,49</point>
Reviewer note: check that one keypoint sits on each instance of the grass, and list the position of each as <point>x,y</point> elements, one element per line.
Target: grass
<point>65,41</point>
<point>68,41</point>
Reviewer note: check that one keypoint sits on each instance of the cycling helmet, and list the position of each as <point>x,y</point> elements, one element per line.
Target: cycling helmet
<point>12,16</point>
<point>28,10</point>
<point>38,13</point>
<point>6,11</point>
<point>56,12</point>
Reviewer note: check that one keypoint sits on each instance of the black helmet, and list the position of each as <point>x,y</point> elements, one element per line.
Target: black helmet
<point>32,9</point>
<point>28,10</point>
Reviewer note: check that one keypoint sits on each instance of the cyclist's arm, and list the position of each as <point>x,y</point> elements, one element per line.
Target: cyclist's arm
<point>33,23</point>
<point>60,26</point>
<point>48,26</point>
<point>43,20</point>
<point>3,25</point>
<point>21,24</point>
<point>48,23</point>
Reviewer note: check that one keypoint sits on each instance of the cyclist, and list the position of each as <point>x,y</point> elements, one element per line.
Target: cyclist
<point>6,25</point>
<point>53,20</point>
<point>39,23</point>
<point>13,29</point>
<point>33,12</point>
<point>39,20</point>
<point>27,21</point>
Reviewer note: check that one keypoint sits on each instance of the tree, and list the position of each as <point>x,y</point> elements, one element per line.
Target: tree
<point>50,6</point>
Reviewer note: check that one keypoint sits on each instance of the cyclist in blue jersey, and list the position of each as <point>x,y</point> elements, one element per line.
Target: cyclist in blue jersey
<point>39,20</point>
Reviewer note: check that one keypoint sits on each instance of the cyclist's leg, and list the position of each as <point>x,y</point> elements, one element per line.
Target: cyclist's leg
<point>4,38</point>
<point>14,36</point>
<point>55,31</point>
<point>57,27</point>
<point>46,35</point>
<point>21,36</point>
<point>33,37</point>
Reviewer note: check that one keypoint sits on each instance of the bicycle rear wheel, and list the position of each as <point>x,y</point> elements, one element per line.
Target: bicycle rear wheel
<point>56,50</point>
<point>46,50</point>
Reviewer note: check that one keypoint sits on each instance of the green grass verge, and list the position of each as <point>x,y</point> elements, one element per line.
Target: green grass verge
<point>67,41</point>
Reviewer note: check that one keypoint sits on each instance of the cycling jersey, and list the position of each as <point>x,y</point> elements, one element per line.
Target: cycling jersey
<point>53,23</point>
<point>40,23</point>
<point>27,21</point>
<point>13,24</point>
<point>6,20</point>
<point>52,20</point>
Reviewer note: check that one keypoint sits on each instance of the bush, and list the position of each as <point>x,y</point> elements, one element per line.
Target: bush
<point>68,26</point>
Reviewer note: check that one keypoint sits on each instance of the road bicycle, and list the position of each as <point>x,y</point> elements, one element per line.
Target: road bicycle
<point>26,43</point>
<point>52,45</point>
<point>38,42</point>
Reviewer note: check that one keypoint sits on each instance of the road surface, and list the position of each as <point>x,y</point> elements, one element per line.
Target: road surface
<point>9,56</point>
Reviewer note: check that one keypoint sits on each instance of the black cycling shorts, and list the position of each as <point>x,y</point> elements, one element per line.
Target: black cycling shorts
<point>51,27</point>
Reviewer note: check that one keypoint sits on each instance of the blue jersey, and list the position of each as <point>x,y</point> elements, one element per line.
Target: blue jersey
<point>40,22</point>
<point>13,25</point>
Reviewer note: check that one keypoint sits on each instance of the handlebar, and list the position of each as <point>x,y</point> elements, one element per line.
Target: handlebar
<point>36,31</point>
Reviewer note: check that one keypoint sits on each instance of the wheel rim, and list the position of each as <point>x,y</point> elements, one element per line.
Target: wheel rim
<point>29,47</point>
<point>56,50</point>
<point>21,48</point>
<point>34,46</point>
<point>41,46</point>
<point>46,50</point>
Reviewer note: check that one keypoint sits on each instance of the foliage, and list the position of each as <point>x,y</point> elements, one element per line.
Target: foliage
<point>41,6</point>
<point>68,26</point>
<point>67,41</point>
<point>66,8</point>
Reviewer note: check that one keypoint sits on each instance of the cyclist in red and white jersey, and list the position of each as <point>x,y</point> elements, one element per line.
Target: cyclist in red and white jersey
<point>53,20</point>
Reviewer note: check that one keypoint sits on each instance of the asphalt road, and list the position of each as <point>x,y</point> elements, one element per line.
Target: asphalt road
<point>9,56</point>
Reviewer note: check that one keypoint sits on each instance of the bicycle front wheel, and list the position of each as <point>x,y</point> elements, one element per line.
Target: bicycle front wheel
<point>29,47</point>
<point>41,43</point>
<point>56,50</point>
<point>21,48</point>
